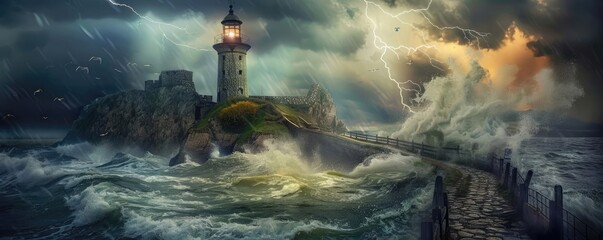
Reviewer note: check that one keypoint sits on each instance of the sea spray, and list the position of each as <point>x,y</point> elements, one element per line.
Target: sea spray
<point>467,109</point>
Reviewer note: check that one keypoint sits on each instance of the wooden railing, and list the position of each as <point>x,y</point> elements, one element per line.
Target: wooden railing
<point>414,147</point>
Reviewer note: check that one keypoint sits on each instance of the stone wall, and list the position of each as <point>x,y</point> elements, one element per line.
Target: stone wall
<point>172,78</point>
<point>289,100</point>
<point>318,104</point>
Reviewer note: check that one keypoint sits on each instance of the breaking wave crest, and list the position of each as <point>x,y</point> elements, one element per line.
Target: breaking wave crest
<point>468,109</point>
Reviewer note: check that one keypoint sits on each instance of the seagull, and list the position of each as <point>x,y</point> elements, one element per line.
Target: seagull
<point>83,69</point>
<point>374,70</point>
<point>45,118</point>
<point>397,29</point>
<point>147,65</point>
<point>97,78</point>
<point>104,134</point>
<point>60,99</point>
<point>8,116</point>
<point>130,64</point>
<point>38,91</point>
<point>117,70</point>
<point>99,59</point>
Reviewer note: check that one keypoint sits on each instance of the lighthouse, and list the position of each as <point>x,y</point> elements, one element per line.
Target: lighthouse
<point>232,59</point>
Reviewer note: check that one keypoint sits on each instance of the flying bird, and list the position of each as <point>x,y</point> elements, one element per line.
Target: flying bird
<point>45,118</point>
<point>117,70</point>
<point>38,91</point>
<point>373,70</point>
<point>97,78</point>
<point>147,65</point>
<point>60,99</point>
<point>130,64</point>
<point>99,59</point>
<point>397,29</point>
<point>8,115</point>
<point>82,68</point>
<point>104,134</point>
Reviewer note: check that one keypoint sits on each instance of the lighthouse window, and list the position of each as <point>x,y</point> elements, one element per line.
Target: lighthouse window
<point>240,57</point>
<point>223,72</point>
<point>240,72</point>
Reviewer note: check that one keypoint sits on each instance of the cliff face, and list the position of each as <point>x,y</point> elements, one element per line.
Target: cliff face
<point>155,121</point>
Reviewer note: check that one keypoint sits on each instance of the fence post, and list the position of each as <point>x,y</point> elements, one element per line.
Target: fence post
<point>397,142</point>
<point>506,178</point>
<point>513,181</point>
<point>386,140</point>
<point>376,138</point>
<point>446,217</point>
<point>523,191</point>
<point>492,158</point>
<point>427,231</point>
<point>500,167</point>
<point>556,214</point>
<point>412,145</point>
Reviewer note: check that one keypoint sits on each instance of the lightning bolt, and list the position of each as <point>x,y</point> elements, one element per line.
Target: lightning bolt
<point>384,47</point>
<point>159,24</point>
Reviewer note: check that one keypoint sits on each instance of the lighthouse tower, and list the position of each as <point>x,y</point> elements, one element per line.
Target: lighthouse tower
<point>232,63</point>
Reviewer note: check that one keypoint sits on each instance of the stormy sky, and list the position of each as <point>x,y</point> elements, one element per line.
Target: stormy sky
<point>295,43</point>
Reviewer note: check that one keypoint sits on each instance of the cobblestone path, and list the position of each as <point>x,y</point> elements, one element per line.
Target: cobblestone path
<point>481,212</point>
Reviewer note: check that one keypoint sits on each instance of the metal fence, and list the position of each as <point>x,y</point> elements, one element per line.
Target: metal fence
<point>572,227</point>
<point>539,202</point>
<point>422,149</point>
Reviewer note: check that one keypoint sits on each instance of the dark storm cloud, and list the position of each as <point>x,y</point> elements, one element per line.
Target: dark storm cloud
<point>69,10</point>
<point>32,39</point>
<point>310,37</point>
<point>567,31</point>
<point>43,42</point>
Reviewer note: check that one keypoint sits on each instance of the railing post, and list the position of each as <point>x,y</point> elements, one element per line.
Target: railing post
<point>500,167</point>
<point>427,231</point>
<point>412,145</point>
<point>397,142</point>
<point>386,140</point>
<point>523,190</point>
<point>513,180</point>
<point>436,217</point>
<point>446,217</point>
<point>376,138</point>
<point>556,214</point>
<point>438,192</point>
<point>506,178</point>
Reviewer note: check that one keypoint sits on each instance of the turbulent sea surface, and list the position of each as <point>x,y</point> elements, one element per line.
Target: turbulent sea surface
<point>85,192</point>
<point>574,163</point>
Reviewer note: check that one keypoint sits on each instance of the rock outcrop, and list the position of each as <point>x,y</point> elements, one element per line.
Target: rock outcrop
<point>157,121</point>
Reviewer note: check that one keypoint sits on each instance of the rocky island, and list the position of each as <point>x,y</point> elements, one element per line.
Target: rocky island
<point>169,118</point>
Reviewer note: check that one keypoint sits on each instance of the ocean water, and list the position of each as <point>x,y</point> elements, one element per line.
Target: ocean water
<point>574,163</point>
<point>86,192</point>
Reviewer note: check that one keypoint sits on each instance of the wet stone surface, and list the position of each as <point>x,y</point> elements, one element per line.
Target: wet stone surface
<point>480,213</point>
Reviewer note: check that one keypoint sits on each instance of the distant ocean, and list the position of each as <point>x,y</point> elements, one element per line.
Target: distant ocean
<point>86,192</point>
